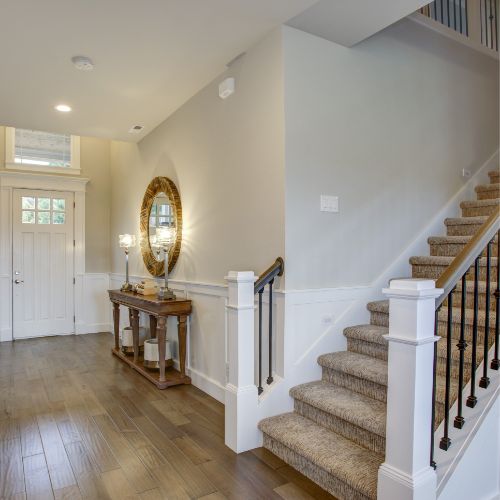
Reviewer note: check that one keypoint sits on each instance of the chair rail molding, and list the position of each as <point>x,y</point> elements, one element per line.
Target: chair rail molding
<point>10,180</point>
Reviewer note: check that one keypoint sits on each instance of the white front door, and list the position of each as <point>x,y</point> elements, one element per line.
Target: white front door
<point>43,291</point>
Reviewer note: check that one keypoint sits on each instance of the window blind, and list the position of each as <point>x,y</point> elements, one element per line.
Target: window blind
<point>42,148</point>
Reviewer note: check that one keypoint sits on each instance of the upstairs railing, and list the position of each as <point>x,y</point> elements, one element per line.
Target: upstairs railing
<point>477,254</point>
<point>267,279</point>
<point>476,19</point>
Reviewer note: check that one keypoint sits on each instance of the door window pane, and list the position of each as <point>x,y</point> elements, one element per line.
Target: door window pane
<point>43,217</point>
<point>58,217</point>
<point>28,202</point>
<point>28,217</point>
<point>43,203</point>
<point>58,204</point>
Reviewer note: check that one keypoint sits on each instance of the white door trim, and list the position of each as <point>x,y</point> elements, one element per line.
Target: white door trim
<point>10,180</point>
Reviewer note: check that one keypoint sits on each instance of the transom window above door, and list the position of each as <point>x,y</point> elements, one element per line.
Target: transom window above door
<point>41,151</point>
<point>43,210</point>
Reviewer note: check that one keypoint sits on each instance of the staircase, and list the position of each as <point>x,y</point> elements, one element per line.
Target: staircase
<point>336,434</point>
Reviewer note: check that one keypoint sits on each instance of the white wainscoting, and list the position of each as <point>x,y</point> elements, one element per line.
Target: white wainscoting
<point>207,331</point>
<point>92,294</point>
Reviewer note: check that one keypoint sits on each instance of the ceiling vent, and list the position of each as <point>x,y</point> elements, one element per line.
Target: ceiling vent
<point>136,129</point>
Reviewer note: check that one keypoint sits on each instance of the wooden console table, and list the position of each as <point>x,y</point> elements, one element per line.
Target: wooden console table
<point>158,311</point>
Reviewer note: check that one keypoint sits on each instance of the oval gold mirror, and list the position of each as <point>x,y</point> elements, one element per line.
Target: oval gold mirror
<point>161,208</point>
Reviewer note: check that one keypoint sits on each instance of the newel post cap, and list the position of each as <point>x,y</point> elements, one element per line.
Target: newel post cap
<point>412,288</point>
<point>241,277</point>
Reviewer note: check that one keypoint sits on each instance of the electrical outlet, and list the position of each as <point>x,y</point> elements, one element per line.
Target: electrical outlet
<point>466,173</point>
<point>329,203</point>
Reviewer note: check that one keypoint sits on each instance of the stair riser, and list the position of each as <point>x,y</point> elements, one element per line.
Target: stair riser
<point>478,211</point>
<point>380,352</point>
<point>457,297</point>
<point>434,272</point>
<point>382,319</point>
<point>361,386</point>
<point>462,229</point>
<point>350,431</point>
<point>453,249</point>
<point>494,178</point>
<point>488,195</point>
<point>326,480</point>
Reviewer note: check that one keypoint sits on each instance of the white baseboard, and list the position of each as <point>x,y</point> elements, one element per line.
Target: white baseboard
<point>85,328</point>
<point>5,335</point>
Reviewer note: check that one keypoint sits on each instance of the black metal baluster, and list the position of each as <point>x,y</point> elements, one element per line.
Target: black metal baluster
<point>442,12</point>
<point>448,12</point>
<point>467,17</point>
<point>270,377</point>
<point>486,22</point>
<point>491,24</point>
<point>462,345</point>
<point>481,20</point>
<point>435,10</point>
<point>485,381</point>
<point>472,400</point>
<point>454,15</point>
<point>433,407</point>
<point>260,389</point>
<point>445,442</point>
<point>460,10</point>
<point>496,26</point>
<point>495,362</point>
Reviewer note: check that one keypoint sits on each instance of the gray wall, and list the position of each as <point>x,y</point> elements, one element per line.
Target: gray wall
<point>226,158</point>
<point>387,126</point>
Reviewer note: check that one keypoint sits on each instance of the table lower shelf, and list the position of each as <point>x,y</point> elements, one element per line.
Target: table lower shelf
<point>173,376</point>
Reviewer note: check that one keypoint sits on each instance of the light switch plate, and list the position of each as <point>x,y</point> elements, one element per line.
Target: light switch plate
<point>329,203</point>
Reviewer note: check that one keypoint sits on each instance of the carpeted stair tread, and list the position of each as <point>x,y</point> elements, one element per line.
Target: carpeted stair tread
<point>340,457</point>
<point>375,334</point>
<point>445,261</point>
<point>460,221</point>
<point>357,365</point>
<point>450,240</point>
<point>382,306</point>
<point>494,176</point>
<point>487,187</point>
<point>367,333</point>
<point>350,406</point>
<point>480,203</point>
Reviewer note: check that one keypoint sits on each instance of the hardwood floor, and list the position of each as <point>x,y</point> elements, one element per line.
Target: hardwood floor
<point>75,422</point>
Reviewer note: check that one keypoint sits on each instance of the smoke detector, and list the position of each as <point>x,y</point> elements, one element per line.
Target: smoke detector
<point>136,129</point>
<point>82,63</point>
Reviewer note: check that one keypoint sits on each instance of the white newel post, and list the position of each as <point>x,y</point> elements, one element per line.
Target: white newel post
<point>241,431</point>
<point>406,473</point>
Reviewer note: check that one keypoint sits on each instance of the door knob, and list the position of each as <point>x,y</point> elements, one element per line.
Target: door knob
<point>17,282</point>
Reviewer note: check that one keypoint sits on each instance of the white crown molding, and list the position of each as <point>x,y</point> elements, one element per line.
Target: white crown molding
<point>34,180</point>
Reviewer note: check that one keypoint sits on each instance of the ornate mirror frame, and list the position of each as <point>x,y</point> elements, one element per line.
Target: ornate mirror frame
<point>156,186</point>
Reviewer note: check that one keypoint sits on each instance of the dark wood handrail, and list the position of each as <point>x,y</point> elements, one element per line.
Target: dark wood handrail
<point>277,269</point>
<point>465,259</point>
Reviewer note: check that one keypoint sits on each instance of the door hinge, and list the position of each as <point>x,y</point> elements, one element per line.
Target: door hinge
<point>74,243</point>
<point>74,281</point>
<point>74,319</point>
<point>74,204</point>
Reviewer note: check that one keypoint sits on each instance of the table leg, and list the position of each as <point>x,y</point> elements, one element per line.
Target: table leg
<point>130,317</point>
<point>161,333</point>
<point>116,324</point>
<point>152,326</point>
<point>135,333</point>
<point>182,344</point>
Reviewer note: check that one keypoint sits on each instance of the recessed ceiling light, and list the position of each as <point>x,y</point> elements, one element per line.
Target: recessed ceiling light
<point>63,108</point>
<point>83,63</point>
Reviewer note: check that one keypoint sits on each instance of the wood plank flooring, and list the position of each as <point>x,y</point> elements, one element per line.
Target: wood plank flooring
<point>75,422</point>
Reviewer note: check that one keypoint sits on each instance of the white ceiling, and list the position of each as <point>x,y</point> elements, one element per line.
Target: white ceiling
<point>348,22</point>
<point>150,57</point>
